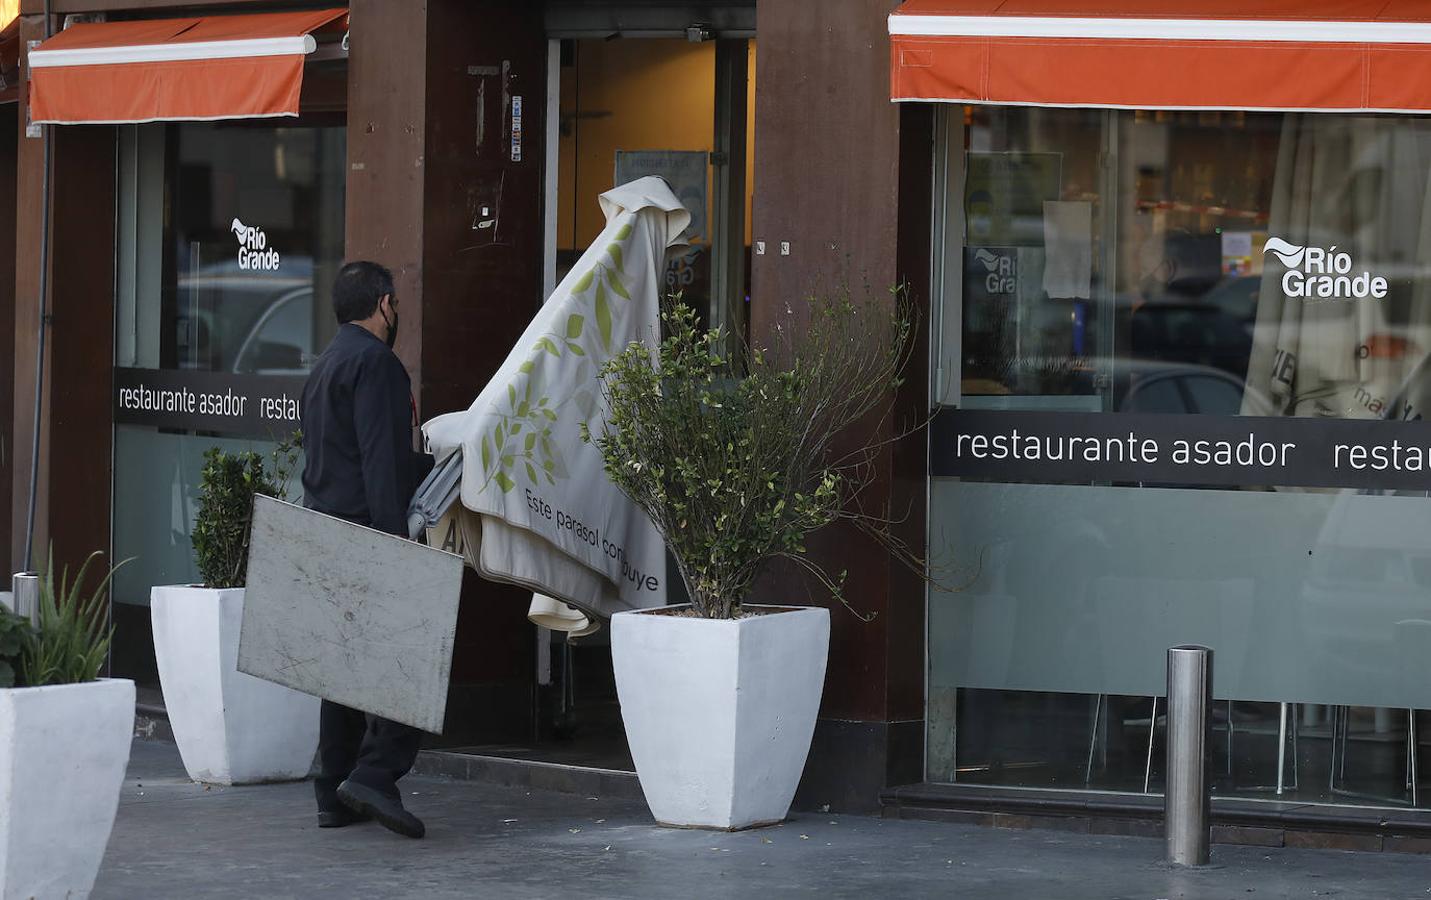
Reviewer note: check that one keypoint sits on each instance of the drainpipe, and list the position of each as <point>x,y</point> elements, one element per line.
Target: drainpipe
<point>42,327</point>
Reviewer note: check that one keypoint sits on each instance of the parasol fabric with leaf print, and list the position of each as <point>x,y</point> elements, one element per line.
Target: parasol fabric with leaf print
<point>537,507</point>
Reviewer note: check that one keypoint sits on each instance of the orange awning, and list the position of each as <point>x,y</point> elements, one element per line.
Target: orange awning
<point>1321,55</point>
<point>205,67</point>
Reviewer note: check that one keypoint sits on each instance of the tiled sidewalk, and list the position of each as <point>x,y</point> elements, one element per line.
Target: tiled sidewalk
<point>176,839</point>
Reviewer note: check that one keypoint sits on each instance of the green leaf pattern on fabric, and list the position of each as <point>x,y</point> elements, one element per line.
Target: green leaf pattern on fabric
<point>533,416</point>
<point>603,317</point>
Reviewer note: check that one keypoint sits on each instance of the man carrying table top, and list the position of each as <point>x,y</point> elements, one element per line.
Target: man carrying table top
<point>358,421</point>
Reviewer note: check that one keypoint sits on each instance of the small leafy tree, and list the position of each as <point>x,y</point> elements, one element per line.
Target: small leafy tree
<point>74,633</point>
<point>227,487</point>
<point>16,636</point>
<point>738,455</point>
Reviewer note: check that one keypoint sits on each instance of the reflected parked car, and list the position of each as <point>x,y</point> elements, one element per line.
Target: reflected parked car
<point>1154,386</point>
<point>1194,333</point>
<point>228,320</point>
<point>1236,298</point>
<point>1138,386</point>
<point>281,341</point>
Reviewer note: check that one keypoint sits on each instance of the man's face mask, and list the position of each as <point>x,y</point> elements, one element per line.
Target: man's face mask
<point>391,322</point>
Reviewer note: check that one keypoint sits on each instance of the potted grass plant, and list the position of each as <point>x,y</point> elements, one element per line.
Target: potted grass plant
<point>231,728</point>
<point>738,455</point>
<point>64,739</point>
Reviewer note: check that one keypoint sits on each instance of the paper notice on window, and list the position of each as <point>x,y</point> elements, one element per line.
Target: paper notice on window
<point>1068,249</point>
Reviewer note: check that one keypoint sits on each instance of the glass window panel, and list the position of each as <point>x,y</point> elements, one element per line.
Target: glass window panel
<point>1216,263</point>
<point>1031,200</point>
<point>257,223</point>
<point>155,502</point>
<point>229,237</point>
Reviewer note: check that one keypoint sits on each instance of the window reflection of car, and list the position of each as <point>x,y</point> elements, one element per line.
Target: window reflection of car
<point>1193,332</point>
<point>1154,386</point>
<point>220,307</point>
<point>1169,387</point>
<point>1133,386</point>
<point>1236,297</point>
<point>278,342</point>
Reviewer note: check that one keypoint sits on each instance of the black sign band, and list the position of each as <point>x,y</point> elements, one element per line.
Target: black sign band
<point>266,406</point>
<point>1181,449</point>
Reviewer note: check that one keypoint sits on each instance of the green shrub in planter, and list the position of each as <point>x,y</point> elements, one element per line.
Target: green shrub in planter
<point>16,636</point>
<point>72,641</point>
<point>737,456</point>
<point>227,486</point>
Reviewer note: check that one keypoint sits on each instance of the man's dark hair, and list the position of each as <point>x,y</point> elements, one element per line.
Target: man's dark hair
<point>358,288</point>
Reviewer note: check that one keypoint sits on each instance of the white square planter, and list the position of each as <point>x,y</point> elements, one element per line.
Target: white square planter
<point>719,714</point>
<point>231,728</point>
<point>63,752</point>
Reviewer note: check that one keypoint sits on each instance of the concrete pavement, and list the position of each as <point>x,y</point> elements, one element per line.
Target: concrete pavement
<point>181,840</point>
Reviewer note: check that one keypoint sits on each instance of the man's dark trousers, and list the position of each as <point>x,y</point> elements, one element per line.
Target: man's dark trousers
<point>368,749</point>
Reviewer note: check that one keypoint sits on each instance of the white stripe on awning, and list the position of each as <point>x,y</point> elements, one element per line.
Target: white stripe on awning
<point>197,50</point>
<point>1162,29</point>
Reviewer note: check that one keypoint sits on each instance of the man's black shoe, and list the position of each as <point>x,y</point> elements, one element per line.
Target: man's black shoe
<point>388,810</point>
<point>340,817</point>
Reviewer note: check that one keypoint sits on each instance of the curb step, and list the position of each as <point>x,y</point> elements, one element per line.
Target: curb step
<point>151,723</point>
<point>1262,823</point>
<point>531,774</point>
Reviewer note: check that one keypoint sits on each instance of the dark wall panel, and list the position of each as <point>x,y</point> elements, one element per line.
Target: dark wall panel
<point>387,120</point>
<point>909,458</point>
<point>827,159</point>
<point>482,285</point>
<point>826,148</point>
<point>429,147</point>
<point>843,175</point>
<point>82,338</point>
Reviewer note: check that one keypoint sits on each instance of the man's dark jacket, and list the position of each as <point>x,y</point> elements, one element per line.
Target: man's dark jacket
<point>357,434</point>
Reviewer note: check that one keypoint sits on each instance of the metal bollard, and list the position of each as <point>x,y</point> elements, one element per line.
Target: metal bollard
<point>26,598</point>
<point>1187,802</point>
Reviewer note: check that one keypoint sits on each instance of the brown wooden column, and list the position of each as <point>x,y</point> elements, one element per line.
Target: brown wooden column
<point>81,413</point>
<point>844,179</point>
<point>73,508</point>
<point>430,104</point>
<point>387,121</point>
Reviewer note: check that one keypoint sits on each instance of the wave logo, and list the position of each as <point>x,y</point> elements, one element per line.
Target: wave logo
<point>1002,275</point>
<point>254,254</point>
<point>1314,273</point>
<point>1290,254</point>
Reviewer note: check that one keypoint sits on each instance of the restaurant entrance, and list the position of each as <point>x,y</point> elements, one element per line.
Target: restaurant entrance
<point>623,106</point>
